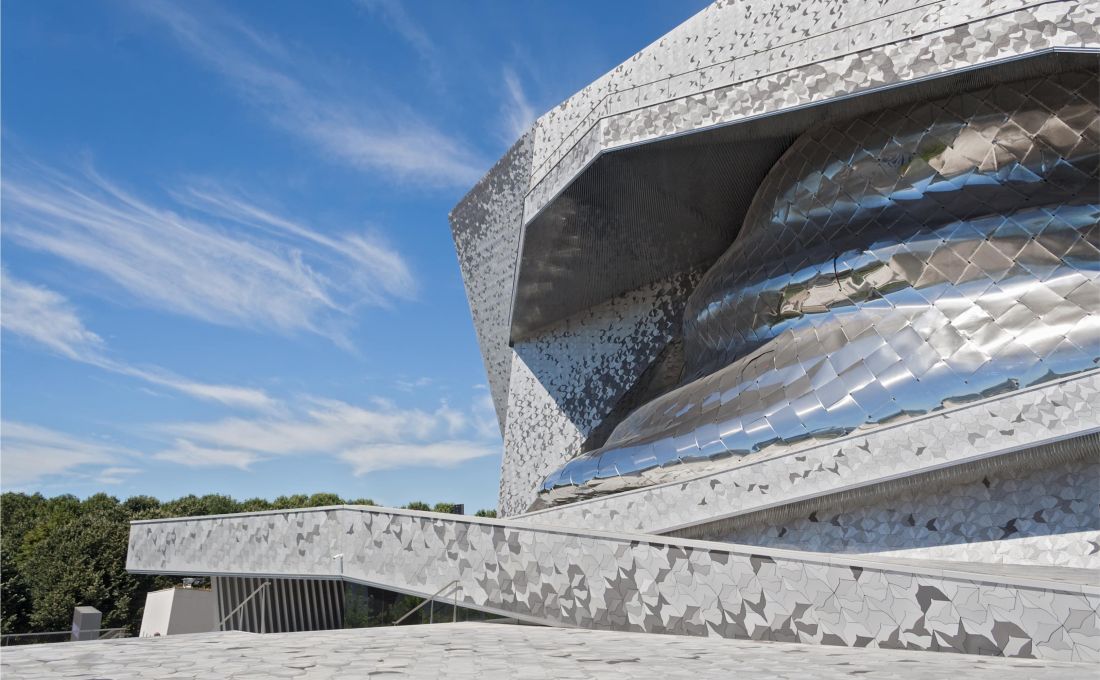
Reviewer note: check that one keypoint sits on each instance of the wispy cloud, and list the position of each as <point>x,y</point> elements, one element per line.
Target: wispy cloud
<point>518,113</point>
<point>396,142</point>
<point>115,475</point>
<point>376,457</point>
<point>207,254</point>
<point>413,385</point>
<point>484,416</point>
<point>393,13</point>
<point>184,452</point>
<point>48,318</point>
<point>31,453</point>
<point>370,439</point>
<point>229,395</point>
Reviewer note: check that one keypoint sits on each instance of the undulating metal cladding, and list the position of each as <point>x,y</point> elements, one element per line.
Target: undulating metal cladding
<point>889,266</point>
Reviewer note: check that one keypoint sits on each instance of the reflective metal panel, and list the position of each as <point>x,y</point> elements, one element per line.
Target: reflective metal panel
<point>889,266</point>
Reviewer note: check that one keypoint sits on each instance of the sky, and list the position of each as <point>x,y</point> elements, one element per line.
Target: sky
<point>226,262</point>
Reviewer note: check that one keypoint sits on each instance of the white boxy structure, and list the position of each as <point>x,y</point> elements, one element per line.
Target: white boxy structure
<point>174,611</point>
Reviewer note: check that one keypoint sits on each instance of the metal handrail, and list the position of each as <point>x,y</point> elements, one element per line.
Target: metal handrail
<point>431,598</point>
<point>263,606</point>
<point>105,633</point>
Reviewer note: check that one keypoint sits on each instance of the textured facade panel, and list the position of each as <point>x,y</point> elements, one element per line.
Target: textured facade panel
<point>728,38</point>
<point>641,583</point>
<point>773,74</point>
<point>1043,515</point>
<point>940,440</point>
<point>890,265</point>
<point>566,380</point>
<point>486,226</point>
<point>732,63</point>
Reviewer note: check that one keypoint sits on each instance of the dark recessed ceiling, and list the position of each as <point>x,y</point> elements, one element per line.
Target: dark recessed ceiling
<point>643,213</point>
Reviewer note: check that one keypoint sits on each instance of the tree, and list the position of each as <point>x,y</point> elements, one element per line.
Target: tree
<point>318,500</point>
<point>141,505</point>
<point>255,505</point>
<point>290,502</point>
<point>195,506</point>
<point>56,553</point>
<point>485,513</point>
<point>82,560</point>
<point>18,514</point>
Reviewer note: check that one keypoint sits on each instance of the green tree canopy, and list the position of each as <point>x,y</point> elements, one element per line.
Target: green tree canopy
<point>57,553</point>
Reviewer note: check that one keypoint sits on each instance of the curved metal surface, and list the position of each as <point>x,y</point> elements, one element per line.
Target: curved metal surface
<point>889,266</point>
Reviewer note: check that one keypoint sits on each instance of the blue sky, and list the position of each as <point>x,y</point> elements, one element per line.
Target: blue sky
<point>226,260</point>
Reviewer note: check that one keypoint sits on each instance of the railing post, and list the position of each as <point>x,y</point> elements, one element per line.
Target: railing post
<point>239,609</point>
<point>430,600</point>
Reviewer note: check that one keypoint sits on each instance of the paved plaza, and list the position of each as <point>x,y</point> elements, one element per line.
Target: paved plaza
<point>484,651</point>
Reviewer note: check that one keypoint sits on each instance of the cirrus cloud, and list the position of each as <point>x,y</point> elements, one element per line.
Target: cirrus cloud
<point>32,453</point>
<point>374,438</point>
<point>391,142</point>
<point>47,318</point>
<point>205,254</point>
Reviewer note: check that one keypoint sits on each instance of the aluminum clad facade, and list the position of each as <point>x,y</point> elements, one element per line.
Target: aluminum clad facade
<point>890,266</point>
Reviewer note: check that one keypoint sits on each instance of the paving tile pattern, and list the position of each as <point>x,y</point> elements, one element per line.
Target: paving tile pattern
<point>485,651</point>
<point>641,583</point>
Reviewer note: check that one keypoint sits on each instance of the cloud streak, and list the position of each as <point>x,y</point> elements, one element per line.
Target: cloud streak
<point>32,453</point>
<point>207,255</point>
<point>396,143</point>
<point>393,13</point>
<point>518,113</point>
<point>48,318</point>
<point>369,439</point>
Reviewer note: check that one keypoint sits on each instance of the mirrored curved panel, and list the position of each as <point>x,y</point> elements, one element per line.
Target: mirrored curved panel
<point>889,266</point>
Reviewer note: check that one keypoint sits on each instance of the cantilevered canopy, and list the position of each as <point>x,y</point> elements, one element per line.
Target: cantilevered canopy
<point>641,213</point>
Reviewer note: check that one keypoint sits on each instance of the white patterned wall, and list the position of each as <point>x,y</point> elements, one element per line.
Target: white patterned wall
<point>642,583</point>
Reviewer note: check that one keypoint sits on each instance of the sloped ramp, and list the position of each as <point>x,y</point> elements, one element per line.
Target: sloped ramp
<point>570,577</point>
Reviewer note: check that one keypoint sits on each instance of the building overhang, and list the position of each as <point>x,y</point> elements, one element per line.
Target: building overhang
<point>642,211</point>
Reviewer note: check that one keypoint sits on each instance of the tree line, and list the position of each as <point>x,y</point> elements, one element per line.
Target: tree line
<point>60,552</point>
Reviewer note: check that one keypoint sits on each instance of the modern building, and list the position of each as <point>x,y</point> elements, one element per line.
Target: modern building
<point>792,326</point>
